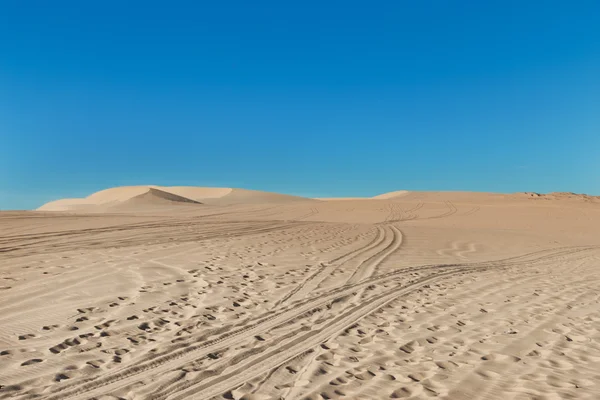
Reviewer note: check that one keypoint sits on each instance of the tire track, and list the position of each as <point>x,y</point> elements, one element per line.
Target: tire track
<point>163,363</point>
<point>190,352</point>
<point>471,211</point>
<point>415,208</point>
<point>396,213</point>
<point>313,211</point>
<point>411,212</point>
<point>368,266</point>
<point>323,269</point>
<point>262,363</point>
<point>47,245</point>
<point>451,211</point>
<point>328,268</point>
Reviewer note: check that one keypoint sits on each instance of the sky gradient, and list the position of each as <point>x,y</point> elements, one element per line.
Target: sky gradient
<point>336,98</point>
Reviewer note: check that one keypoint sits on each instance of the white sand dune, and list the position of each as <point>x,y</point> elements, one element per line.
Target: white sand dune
<point>117,194</point>
<point>254,295</point>
<point>108,199</point>
<point>391,195</point>
<point>66,205</point>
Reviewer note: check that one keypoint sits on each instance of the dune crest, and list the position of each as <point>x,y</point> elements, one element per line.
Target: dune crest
<point>65,205</point>
<point>150,195</point>
<point>198,193</point>
<point>156,197</point>
<point>117,194</point>
<point>391,195</point>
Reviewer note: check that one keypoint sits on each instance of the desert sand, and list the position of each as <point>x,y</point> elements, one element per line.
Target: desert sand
<point>152,292</point>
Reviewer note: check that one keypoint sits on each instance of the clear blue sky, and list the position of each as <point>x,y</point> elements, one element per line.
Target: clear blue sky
<point>323,98</point>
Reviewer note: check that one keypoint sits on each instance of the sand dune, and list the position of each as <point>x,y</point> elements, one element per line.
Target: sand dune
<point>155,198</point>
<point>118,197</point>
<point>97,201</point>
<point>117,194</point>
<point>66,205</point>
<point>140,197</point>
<point>417,295</point>
<point>391,195</point>
<point>198,193</point>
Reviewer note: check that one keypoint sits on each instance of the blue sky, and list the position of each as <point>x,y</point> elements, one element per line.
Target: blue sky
<point>336,98</point>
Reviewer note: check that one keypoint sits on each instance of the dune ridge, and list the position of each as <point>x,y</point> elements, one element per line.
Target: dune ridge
<point>119,197</point>
<point>391,195</point>
<point>156,197</point>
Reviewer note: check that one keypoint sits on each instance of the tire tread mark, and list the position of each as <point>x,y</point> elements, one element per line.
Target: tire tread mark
<point>102,385</point>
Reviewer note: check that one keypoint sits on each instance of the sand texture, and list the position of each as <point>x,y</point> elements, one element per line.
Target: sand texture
<point>174,293</point>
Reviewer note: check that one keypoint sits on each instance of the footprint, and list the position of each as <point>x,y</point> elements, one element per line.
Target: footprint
<point>61,377</point>
<point>32,361</point>
<point>104,325</point>
<point>95,364</point>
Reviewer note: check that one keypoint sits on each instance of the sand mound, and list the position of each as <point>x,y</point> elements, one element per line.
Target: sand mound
<point>119,198</point>
<point>156,197</point>
<point>117,194</point>
<point>65,205</point>
<point>150,195</point>
<point>391,195</point>
<point>227,196</point>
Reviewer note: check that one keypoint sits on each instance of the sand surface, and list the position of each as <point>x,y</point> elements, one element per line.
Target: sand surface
<point>199,293</point>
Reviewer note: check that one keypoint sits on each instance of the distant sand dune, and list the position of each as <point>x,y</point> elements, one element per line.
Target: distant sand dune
<point>392,195</point>
<point>156,197</point>
<point>198,193</point>
<point>117,194</point>
<point>108,199</point>
<point>66,205</point>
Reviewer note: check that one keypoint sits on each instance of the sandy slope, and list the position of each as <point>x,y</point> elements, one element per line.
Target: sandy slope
<point>198,193</point>
<point>425,295</point>
<point>108,199</point>
<point>391,195</point>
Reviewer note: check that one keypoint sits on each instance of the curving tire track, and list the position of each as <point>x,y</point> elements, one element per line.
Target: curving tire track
<point>190,352</point>
<point>451,211</point>
<point>312,281</point>
<point>287,350</point>
<point>43,244</point>
<point>368,266</point>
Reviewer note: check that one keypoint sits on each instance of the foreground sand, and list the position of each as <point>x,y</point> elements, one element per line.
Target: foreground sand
<point>420,295</point>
